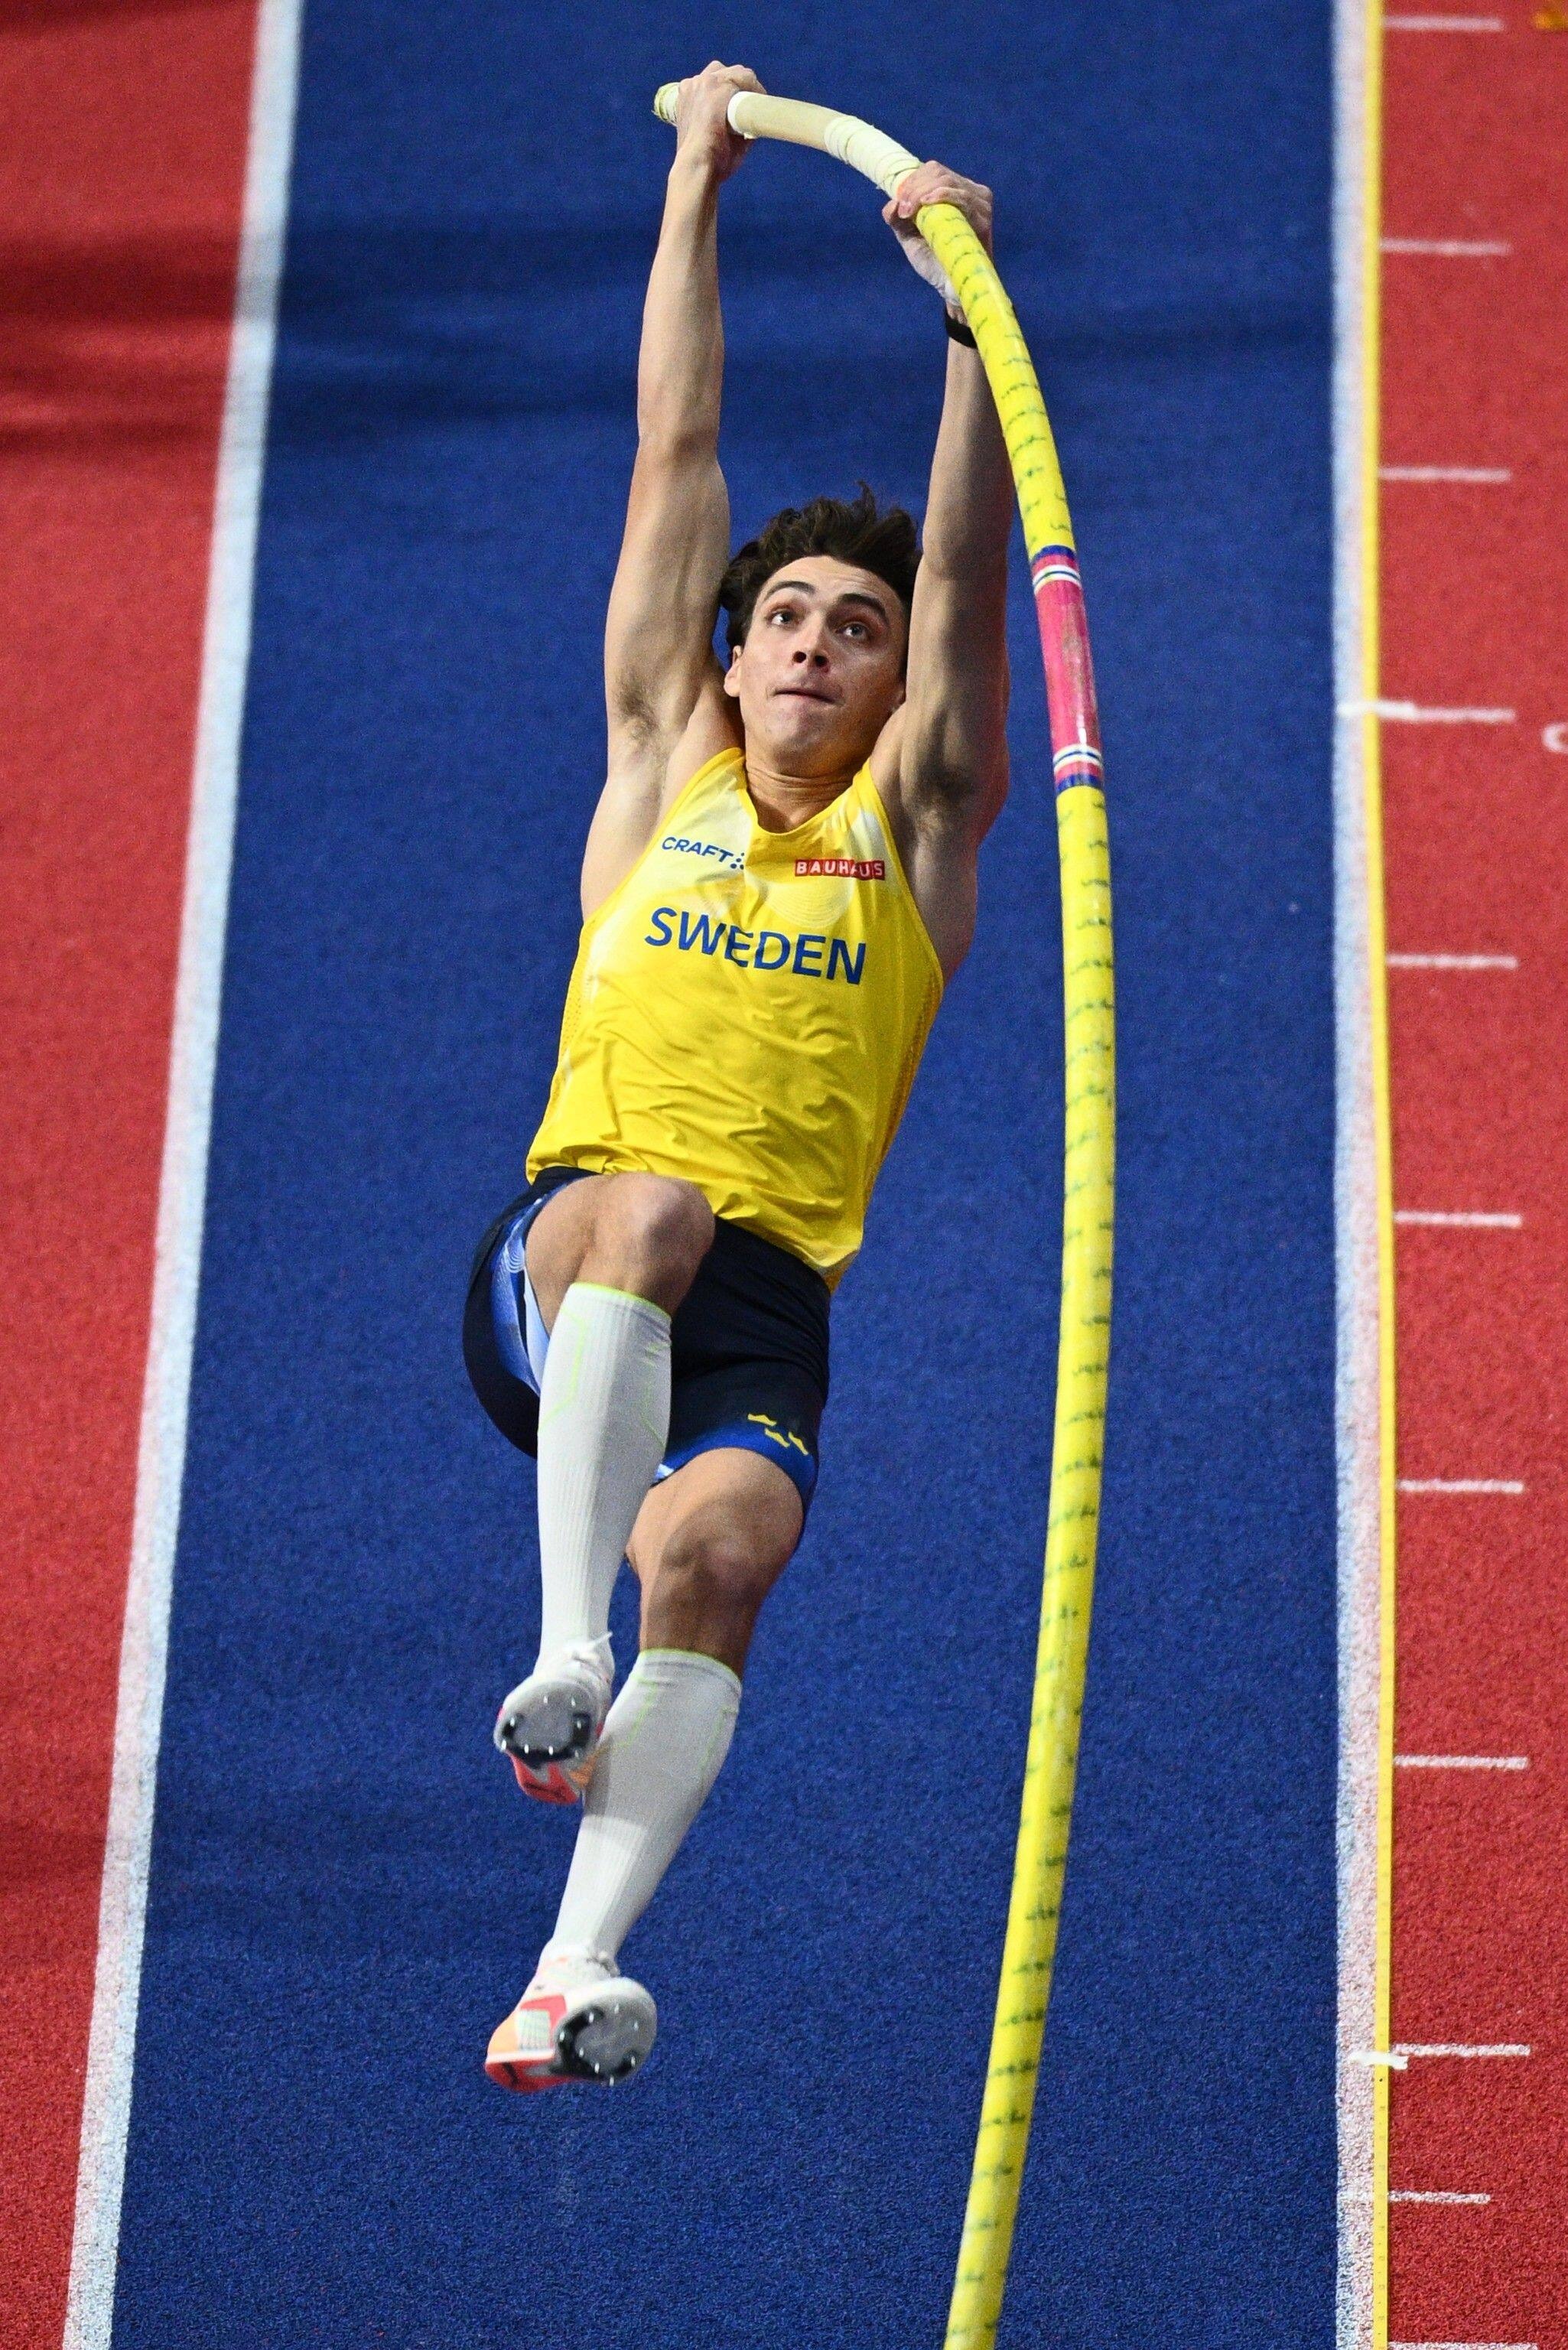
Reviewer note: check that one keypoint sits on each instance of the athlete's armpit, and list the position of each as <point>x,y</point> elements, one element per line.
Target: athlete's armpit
<point>644,780</point>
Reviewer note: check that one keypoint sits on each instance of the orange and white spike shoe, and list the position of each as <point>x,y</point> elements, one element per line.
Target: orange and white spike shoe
<point>550,1723</point>
<point>577,2020</point>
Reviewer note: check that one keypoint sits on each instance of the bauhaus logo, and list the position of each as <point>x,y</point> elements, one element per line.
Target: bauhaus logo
<point>841,868</point>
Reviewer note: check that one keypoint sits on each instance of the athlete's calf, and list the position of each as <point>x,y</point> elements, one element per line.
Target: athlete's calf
<point>708,1545</point>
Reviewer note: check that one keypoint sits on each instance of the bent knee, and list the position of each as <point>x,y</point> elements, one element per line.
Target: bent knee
<point>658,1217</point>
<point>712,1572</point>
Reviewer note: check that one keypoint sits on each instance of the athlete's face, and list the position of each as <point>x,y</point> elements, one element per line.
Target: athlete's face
<point>822,668</point>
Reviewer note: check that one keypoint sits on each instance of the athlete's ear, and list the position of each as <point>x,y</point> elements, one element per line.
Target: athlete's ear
<point>732,674</point>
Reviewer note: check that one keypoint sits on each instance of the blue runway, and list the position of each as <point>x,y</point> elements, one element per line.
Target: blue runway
<point>346,1891</point>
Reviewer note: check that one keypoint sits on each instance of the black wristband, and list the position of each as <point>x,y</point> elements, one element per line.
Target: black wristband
<point>958,326</point>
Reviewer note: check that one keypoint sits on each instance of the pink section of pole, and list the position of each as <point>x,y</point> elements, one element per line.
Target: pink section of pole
<point>1069,671</point>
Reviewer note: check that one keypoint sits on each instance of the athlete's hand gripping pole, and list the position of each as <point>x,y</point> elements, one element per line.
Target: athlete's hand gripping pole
<point>1050,1765</point>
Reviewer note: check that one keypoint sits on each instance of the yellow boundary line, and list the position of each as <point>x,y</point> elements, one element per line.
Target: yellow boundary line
<point>1378,978</point>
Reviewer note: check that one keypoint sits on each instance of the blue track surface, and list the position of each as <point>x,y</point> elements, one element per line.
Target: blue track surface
<point>346,1892</point>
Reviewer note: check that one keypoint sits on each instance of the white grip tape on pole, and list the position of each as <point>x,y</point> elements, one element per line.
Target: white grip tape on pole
<point>844,137</point>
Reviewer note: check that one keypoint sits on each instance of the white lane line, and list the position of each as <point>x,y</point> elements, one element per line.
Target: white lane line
<point>1461,1761</point>
<point>1462,1485</point>
<point>1432,2195</point>
<point>1357,940</point>
<point>1470,1219</point>
<point>1457,2048</point>
<point>1461,2345</point>
<point>183,1186</point>
<point>1450,248</point>
<point>1443,24</point>
<point>1444,473</point>
<point>1414,714</point>
<point>1452,962</point>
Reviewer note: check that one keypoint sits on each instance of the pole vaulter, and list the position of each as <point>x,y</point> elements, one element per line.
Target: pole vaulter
<point>779,880</point>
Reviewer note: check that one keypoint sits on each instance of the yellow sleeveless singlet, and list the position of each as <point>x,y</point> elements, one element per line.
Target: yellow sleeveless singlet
<point>748,1010</point>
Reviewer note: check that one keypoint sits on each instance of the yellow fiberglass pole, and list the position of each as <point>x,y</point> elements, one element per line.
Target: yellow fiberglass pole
<point>1051,1763</point>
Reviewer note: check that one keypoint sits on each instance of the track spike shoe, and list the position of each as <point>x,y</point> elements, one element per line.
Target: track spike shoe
<point>579,2019</point>
<point>550,1724</point>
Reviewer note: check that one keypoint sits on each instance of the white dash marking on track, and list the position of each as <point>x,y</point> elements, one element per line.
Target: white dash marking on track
<point>1450,248</point>
<point>1444,473</point>
<point>1461,1761</point>
<point>1432,2195</point>
<point>1414,713</point>
<point>1388,2056</point>
<point>1443,24</point>
<point>1459,2048</point>
<point>1470,1219</point>
<point>1451,962</point>
<point>1462,1485</point>
<point>1461,2345</point>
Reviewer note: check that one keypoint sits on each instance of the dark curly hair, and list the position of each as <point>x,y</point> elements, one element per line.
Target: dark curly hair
<point>851,529</point>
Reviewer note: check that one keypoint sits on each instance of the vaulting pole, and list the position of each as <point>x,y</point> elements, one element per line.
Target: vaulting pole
<point>1050,1764</point>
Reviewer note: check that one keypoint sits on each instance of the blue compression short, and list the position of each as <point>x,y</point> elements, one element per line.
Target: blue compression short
<point>748,1344</point>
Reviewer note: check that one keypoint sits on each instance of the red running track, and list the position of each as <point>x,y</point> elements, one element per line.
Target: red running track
<point>121,184</point>
<point>1475,616</point>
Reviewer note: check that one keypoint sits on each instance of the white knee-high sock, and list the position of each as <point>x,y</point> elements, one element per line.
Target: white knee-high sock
<point>664,1742</point>
<point>604,1421</point>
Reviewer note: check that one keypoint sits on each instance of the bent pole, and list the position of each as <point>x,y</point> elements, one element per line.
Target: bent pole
<point>1051,1762</point>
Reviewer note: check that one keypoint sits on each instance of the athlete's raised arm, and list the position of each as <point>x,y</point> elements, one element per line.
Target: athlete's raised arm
<point>661,680</point>
<point>943,760</point>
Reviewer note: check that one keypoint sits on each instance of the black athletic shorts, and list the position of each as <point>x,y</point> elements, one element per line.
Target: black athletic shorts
<point>748,1344</point>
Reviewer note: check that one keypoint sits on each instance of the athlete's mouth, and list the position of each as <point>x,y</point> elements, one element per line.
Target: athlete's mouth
<point>805,692</point>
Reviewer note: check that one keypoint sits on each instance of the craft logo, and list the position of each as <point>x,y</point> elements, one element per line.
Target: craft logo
<point>726,857</point>
<point>841,868</point>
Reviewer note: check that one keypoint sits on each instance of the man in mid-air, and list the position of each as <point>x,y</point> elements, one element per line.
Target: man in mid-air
<point>779,878</point>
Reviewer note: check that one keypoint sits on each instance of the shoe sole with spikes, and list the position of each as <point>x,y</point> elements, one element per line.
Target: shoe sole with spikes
<point>600,2033</point>
<point>548,1728</point>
